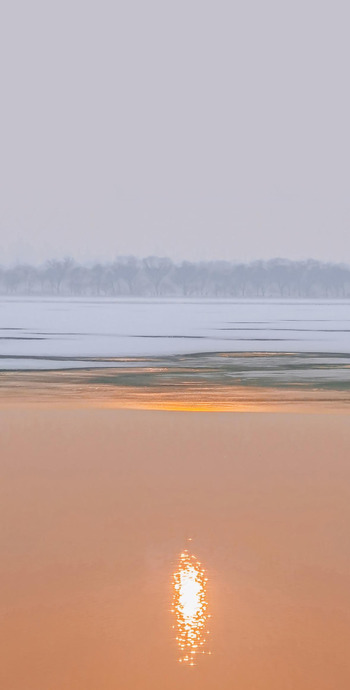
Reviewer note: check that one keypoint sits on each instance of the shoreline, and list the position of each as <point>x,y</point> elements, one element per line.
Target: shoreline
<point>80,389</point>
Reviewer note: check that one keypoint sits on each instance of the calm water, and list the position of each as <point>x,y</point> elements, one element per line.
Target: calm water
<point>100,586</point>
<point>60,333</point>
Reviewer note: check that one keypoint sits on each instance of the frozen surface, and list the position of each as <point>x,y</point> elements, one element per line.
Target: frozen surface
<point>61,333</point>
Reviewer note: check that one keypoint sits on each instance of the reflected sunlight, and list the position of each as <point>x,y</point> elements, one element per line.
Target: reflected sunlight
<point>190,607</point>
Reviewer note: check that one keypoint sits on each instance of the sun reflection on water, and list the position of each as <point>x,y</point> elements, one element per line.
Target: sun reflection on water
<point>190,607</point>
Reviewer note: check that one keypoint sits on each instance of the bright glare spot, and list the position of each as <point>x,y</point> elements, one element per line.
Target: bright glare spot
<point>190,607</point>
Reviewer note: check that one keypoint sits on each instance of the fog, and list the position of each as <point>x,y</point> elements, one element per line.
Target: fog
<point>196,130</point>
<point>154,276</point>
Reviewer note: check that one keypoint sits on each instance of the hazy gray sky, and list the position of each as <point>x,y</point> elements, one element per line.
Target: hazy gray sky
<point>185,128</point>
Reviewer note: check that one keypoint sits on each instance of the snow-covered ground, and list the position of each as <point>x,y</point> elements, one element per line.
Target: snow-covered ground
<point>56,333</point>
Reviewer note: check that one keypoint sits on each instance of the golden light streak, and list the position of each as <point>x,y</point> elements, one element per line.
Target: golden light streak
<point>190,607</point>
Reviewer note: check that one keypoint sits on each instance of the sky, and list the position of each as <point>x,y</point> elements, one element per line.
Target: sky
<point>192,129</point>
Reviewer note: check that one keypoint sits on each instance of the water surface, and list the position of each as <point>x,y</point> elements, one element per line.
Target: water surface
<point>96,509</point>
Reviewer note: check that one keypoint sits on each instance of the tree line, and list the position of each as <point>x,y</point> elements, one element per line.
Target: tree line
<point>154,276</point>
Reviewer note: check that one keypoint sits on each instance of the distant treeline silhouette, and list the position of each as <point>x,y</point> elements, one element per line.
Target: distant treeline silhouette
<point>128,276</point>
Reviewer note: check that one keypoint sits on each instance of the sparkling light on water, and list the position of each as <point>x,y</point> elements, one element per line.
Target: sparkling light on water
<point>190,607</point>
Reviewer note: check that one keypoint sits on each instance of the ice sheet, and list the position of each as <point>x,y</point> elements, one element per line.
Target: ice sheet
<point>56,333</point>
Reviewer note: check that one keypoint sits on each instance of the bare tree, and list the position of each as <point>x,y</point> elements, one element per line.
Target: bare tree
<point>129,270</point>
<point>157,268</point>
<point>57,271</point>
<point>160,276</point>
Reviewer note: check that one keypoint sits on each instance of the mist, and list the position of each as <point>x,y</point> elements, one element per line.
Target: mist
<point>153,276</point>
<point>192,130</point>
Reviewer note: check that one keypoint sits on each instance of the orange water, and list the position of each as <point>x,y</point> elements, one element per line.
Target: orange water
<point>97,505</point>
